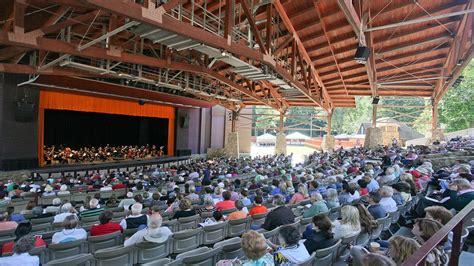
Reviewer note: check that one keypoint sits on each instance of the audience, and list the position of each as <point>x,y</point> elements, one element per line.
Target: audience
<point>290,251</point>
<point>21,254</point>
<point>321,235</point>
<point>255,249</point>
<point>93,210</point>
<point>239,214</point>
<point>154,232</point>
<point>317,207</point>
<point>5,224</point>
<point>227,203</point>
<point>106,226</point>
<point>258,207</point>
<point>22,230</point>
<point>375,209</point>
<point>387,203</point>
<point>349,225</point>
<point>185,209</point>
<point>281,215</point>
<point>136,219</point>
<point>70,232</point>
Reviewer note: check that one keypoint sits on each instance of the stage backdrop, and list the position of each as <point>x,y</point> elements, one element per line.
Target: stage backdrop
<point>84,103</point>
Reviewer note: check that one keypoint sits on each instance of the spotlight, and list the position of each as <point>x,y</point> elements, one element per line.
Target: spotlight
<point>375,100</point>
<point>362,54</point>
<point>224,53</point>
<point>141,102</point>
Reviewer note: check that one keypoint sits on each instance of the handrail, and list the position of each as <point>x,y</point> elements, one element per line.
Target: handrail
<point>455,225</point>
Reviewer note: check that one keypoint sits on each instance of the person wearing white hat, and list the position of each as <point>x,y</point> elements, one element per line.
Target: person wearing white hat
<point>63,190</point>
<point>55,206</point>
<point>154,232</point>
<point>125,203</point>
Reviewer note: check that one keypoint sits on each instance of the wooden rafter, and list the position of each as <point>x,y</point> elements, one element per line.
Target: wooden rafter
<point>253,26</point>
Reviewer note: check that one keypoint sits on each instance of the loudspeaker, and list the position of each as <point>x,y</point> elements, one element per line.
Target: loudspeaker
<point>141,102</point>
<point>183,153</point>
<point>184,121</point>
<point>25,112</point>
<point>376,100</point>
<point>362,54</point>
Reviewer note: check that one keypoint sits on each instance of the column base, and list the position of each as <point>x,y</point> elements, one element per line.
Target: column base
<point>435,135</point>
<point>373,137</point>
<point>232,145</point>
<point>328,143</point>
<point>280,147</point>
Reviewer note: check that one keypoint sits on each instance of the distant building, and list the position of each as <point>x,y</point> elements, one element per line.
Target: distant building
<point>392,129</point>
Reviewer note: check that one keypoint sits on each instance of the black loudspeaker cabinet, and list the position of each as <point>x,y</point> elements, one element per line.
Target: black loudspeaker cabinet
<point>184,121</point>
<point>25,112</point>
<point>183,153</point>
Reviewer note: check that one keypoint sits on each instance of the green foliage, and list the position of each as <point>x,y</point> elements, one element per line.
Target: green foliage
<point>456,109</point>
<point>348,120</point>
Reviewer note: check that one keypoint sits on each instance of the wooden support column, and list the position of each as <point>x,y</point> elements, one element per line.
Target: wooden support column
<point>228,20</point>
<point>374,115</point>
<point>434,115</point>
<point>282,117</point>
<point>329,126</point>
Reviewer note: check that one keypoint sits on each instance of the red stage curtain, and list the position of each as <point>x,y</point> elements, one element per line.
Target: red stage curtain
<point>85,103</point>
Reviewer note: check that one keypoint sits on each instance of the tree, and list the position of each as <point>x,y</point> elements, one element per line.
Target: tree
<point>348,120</point>
<point>456,109</point>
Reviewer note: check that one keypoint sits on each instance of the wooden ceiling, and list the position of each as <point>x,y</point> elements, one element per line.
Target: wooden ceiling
<point>418,48</point>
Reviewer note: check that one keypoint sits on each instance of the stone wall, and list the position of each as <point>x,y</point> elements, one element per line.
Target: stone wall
<point>232,145</point>
<point>328,143</point>
<point>280,147</point>
<point>373,137</point>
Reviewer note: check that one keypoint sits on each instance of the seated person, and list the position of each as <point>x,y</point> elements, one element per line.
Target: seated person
<point>387,202</point>
<point>136,219</point>
<point>349,225</point>
<point>21,254</point>
<point>227,203</point>
<point>105,227</point>
<point>93,210</point>
<point>318,206</point>
<point>258,208</point>
<point>321,235</point>
<point>154,232</point>
<point>281,215</point>
<point>185,209</point>
<point>22,230</point>
<point>5,224</point>
<point>374,206</point>
<point>460,194</point>
<point>290,251</point>
<point>70,231</point>
<point>64,211</point>
<point>424,229</point>
<point>255,249</point>
<point>239,214</point>
<point>208,206</point>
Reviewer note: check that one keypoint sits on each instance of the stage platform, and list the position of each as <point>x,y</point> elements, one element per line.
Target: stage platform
<point>119,165</point>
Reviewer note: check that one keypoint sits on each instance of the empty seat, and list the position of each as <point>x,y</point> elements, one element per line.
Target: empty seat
<point>171,224</point>
<point>325,256</point>
<point>106,194</point>
<point>203,256</point>
<point>205,215</point>
<point>163,262</point>
<point>380,227</point>
<point>45,220</point>
<point>41,252</point>
<point>259,219</point>
<point>231,248</point>
<point>149,251</point>
<point>190,222</point>
<point>129,232</point>
<point>115,256</point>
<point>81,259</point>
<point>103,241</point>
<point>214,233</point>
<point>344,251</point>
<point>90,219</point>
<point>363,238</point>
<point>238,227</point>
<point>272,235</point>
<point>7,234</point>
<point>40,228</point>
<point>62,250</point>
<point>186,240</point>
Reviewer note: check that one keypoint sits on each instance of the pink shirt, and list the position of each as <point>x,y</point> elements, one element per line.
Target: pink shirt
<point>297,198</point>
<point>8,225</point>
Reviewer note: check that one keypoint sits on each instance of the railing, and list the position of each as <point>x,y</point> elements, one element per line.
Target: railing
<point>455,225</point>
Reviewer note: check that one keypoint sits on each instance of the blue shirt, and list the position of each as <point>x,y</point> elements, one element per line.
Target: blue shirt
<point>373,185</point>
<point>377,211</point>
<point>17,217</point>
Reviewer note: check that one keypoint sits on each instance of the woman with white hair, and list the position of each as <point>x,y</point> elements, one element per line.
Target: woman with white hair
<point>349,225</point>
<point>64,212</point>
<point>21,254</point>
<point>387,202</point>
<point>63,190</point>
<point>70,232</point>
<point>136,219</point>
<point>332,199</point>
<point>154,232</point>
<point>318,206</point>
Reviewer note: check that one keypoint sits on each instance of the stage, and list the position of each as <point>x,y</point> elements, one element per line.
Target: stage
<point>119,165</point>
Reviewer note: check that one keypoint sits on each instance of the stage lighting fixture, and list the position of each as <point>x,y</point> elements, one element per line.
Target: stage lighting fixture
<point>362,54</point>
<point>141,102</point>
<point>375,100</point>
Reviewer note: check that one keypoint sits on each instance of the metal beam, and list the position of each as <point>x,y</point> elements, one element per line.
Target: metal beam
<point>108,34</point>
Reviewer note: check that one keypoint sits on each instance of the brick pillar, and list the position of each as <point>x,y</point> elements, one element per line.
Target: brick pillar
<point>232,145</point>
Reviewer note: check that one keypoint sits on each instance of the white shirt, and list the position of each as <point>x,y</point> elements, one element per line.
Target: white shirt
<point>139,235</point>
<point>68,235</point>
<point>107,188</point>
<point>388,204</point>
<point>343,230</point>
<point>23,259</point>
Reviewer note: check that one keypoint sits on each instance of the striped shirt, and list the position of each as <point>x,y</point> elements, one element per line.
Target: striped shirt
<point>91,212</point>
